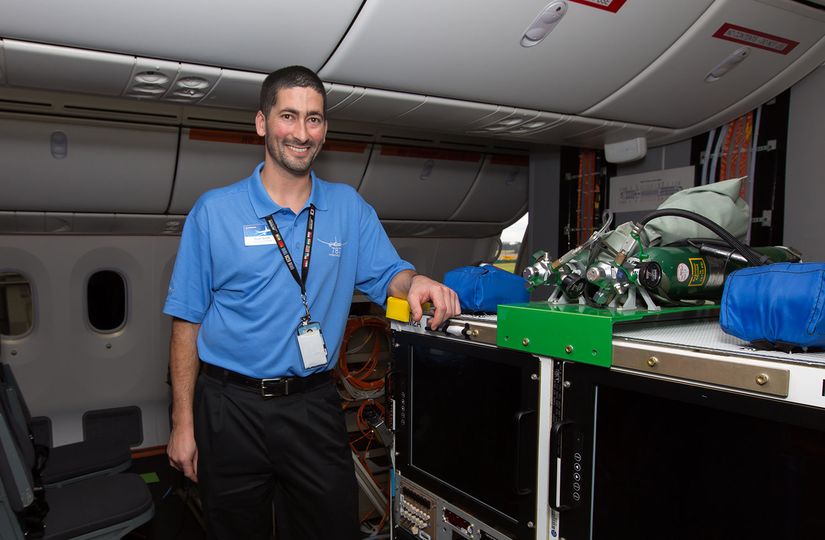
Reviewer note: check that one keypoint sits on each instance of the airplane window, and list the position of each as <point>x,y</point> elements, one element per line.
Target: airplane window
<point>511,239</point>
<point>15,304</point>
<point>106,301</point>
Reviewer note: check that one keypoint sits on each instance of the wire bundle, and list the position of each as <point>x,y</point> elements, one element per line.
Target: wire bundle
<point>363,387</point>
<point>363,383</point>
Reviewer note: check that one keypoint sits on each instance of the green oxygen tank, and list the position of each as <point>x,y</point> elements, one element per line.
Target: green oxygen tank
<point>691,273</point>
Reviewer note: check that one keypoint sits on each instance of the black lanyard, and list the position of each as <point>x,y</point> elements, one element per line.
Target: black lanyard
<point>290,262</point>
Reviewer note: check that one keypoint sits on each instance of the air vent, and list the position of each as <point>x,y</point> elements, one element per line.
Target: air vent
<point>227,123</point>
<point>151,78</point>
<point>141,115</point>
<point>404,139</point>
<point>20,103</point>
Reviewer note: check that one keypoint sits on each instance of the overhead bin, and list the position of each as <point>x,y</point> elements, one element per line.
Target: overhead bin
<point>449,114</point>
<point>244,34</point>
<point>403,182</point>
<point>343,161</point>
<point>471,49</point>
<point>378,106</point>
<point>211,158</point>
<point>35,65</point>
<point>236,90</point>
<point>678,90</point>
<point>499,193</point>
<point>340,94</point>
<point>60,164</point>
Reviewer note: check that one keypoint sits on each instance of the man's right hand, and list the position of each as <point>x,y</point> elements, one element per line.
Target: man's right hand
<point>183,452</point>
<point>183,369</point>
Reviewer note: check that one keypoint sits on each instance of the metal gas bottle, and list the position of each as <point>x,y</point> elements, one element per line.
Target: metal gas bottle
<point>690,273</point>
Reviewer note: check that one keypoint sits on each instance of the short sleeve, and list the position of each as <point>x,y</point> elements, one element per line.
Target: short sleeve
<point>190,290</point>
<point>378,261</point>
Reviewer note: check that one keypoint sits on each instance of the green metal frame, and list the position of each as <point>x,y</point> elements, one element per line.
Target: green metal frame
<point>574,332</point>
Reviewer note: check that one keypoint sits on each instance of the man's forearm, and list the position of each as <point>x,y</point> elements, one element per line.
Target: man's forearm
<point>183,367</point>
<point>400,284</point>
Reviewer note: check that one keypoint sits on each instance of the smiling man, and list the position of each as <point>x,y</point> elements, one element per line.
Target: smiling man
<point>259,311</point>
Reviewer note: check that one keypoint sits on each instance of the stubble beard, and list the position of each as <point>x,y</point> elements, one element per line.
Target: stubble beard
<point>297,166</point>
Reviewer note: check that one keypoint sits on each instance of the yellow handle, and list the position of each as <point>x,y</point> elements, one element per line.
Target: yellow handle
<point>398,309</point>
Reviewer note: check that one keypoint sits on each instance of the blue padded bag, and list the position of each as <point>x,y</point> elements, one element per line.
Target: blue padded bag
<point>483,288</point>
<point>778,305</point>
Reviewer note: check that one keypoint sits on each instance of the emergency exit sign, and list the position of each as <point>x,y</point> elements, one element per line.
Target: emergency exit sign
<point>608,5</point>
<point>755,38</point>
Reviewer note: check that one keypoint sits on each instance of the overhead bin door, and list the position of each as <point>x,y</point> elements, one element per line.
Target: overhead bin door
<point>673,92</point>
<point>51,164</point>
<point>471,49</point>
<point>211,158</point>
<point>342,161</point>
<point>243,34</point>
<point>418,184</point>
<point>499,194</point>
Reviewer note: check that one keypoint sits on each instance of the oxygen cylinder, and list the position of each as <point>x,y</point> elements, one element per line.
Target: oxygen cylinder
<point>690,273</point>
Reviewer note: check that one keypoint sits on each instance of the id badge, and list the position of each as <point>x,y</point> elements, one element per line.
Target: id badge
<point>311,343</point>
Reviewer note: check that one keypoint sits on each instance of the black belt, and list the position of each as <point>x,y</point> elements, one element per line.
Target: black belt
<point>277,387</point>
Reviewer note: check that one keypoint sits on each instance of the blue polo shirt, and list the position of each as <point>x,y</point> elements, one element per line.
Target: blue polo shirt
<point>230,277</point>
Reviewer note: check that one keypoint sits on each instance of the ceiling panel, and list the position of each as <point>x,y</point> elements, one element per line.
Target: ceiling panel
<point>470,49</point>
<point>34,65</point>
<point>673,92</point>
<point>243,34</point>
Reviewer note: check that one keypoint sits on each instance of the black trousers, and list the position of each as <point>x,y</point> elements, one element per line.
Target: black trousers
<point>290,450</point>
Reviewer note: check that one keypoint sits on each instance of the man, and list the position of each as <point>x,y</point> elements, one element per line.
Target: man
<point>254,296</point>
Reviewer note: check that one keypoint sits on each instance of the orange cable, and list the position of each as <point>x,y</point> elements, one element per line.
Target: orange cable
<point>360,377</point>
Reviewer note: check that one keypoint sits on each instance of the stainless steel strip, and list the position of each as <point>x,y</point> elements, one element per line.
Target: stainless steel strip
<point>701,367</point>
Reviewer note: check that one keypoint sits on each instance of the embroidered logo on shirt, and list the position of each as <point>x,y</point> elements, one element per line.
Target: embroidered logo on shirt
<point>334,247</point>
<point>257,235</point>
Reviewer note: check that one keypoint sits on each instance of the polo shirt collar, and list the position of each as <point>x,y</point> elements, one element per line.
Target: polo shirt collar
<point>265,206</point>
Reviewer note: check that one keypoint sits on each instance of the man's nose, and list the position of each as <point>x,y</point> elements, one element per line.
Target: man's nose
<point>300,132</point>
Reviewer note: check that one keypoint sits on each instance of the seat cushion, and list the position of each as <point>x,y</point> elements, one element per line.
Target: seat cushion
<point>95,504</point>
<point>85,458</point>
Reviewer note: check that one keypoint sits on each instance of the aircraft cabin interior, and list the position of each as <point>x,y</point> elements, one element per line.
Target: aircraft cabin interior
<point>612,390</point>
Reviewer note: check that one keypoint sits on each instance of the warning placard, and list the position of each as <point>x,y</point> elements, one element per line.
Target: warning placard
<point>755,38</point>
<point>698,272</point>
<point>608,5</point>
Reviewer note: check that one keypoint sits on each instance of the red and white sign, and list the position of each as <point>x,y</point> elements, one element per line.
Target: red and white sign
<point>755,38</point>
<point>608,5</point>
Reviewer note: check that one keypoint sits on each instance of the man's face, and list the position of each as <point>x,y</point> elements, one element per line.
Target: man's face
<point>295,129</point>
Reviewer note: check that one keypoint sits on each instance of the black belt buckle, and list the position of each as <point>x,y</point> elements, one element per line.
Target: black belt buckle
<point>274,387</point>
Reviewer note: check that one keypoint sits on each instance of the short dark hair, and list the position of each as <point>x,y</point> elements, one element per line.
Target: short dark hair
<point>289,77</point>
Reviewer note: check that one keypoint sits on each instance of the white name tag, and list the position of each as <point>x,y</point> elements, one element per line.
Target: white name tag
<point>257,235</point>
<point>311,343</point>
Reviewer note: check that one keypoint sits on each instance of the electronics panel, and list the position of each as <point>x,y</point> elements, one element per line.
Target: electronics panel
<point>422,515</point>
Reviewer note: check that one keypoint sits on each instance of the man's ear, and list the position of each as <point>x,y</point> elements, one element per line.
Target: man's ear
<point>260,124</point>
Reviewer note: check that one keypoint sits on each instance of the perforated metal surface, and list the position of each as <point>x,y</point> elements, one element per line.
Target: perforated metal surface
<point>708,336</point>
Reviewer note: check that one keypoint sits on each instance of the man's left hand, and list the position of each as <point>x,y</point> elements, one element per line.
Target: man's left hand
<point>443,298</point>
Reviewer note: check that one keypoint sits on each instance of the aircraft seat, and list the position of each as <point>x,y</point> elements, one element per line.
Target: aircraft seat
<point>106,507</point>
<point>68,463</point>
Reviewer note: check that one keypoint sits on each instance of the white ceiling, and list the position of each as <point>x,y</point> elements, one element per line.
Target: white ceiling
<point>446,66</point>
